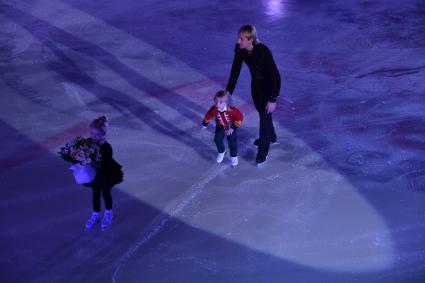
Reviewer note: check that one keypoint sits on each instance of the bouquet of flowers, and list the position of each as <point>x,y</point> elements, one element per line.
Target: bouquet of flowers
<point>84,155</point>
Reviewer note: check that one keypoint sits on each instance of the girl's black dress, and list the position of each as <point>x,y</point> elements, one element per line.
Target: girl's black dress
<point>108,172</point>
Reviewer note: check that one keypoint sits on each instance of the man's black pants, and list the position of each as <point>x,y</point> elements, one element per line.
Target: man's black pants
<point>267,132</point>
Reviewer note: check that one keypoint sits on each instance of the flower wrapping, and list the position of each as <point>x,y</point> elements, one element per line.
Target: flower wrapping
<point>84,155</point>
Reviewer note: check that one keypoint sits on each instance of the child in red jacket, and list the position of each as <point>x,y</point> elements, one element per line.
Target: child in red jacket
<point>227,119</point>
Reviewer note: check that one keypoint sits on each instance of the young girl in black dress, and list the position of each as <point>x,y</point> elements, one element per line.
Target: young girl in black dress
<point>108,173</point>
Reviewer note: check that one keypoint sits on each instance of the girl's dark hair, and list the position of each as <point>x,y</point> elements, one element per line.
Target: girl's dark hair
<point>100,123</point>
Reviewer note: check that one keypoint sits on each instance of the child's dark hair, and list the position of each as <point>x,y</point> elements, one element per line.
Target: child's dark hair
<point>222,94</point>
<point>100,123</point>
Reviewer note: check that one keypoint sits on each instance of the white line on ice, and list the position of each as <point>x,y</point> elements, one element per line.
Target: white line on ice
<point>168,213</point>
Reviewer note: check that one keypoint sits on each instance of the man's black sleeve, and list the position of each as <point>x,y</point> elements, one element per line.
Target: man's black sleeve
<point>236,69</point>
<point>274,75</point>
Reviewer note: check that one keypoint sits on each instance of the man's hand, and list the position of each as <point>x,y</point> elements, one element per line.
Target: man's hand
<point>270,107</point>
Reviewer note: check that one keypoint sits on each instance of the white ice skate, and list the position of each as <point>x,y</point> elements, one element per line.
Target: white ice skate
<point>93,220</point>
<point>234,161</point>
<point>107,219</point>
<point>220,157</point>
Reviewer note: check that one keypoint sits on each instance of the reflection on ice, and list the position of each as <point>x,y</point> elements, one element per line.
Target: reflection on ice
<point>275,9</point>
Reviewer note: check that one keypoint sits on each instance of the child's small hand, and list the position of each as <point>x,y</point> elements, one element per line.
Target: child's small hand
<point>229,131</point>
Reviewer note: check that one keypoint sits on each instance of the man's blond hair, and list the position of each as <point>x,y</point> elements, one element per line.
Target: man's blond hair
<point>250,32</point>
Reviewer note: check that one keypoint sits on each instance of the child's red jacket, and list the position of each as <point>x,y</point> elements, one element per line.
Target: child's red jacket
<point>231,116</point>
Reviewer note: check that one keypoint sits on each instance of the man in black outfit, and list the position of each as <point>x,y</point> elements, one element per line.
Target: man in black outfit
<point>265,83</point>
